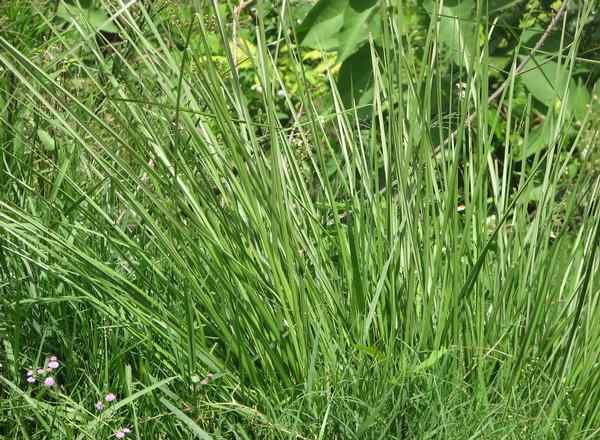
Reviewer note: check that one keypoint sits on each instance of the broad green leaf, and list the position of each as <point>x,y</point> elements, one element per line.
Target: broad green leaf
<point>344,25</point>
<point>46,139</point>
<point>355,81</point>
<point>539,138</point>
<point>361,18</point>
<point>547,81</point>
<point>245,53</point>
<point>214,43</point>
<point>497,64</point>
<point>530,36</point>
<point>96,18</point>
<point>320,29</point>
<point>535,193</point>
<point>578,101</point>
<point>299,11</point>
<point>457,29</point>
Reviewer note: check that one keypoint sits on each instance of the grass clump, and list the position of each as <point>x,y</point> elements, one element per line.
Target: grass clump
<point>359,272</point>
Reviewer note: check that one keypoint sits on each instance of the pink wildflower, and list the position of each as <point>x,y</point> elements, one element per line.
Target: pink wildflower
<point>120,434</point>
<point>49,381</point>
<point>53,364</point>
<point>99,405</point>
<point>110,397</point>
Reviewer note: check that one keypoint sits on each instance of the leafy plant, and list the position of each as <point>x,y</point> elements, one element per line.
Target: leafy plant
<point>171,241</point>
<point>345,26</point>
<point>90,17</point>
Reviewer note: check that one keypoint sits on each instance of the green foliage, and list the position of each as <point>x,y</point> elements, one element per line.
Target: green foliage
<point>322,25</point>
<point>547,80</point>
<point>361,18</point>
<point>355,81</point>
<point>458,30</point>
<point>345,26</point>
<point>186,224</point>
<point>96,18</point>
<point>46,140</point>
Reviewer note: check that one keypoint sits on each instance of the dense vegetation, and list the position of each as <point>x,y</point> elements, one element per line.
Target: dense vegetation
<point>299,219</point>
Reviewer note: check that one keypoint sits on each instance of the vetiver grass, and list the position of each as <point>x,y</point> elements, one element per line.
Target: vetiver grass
<point>324,272</point>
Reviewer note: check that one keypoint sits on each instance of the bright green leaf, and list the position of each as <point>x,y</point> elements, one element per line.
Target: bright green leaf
<point>547,81</point>
<point>538,139</point>
<point>46,139</point>
<point>96,18</point>
<point>578,101</point>
<point>320,29</point>
<point>360,19</point>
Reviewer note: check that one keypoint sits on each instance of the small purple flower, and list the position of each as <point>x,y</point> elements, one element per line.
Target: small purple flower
<point>53,364</point>
<point>31,379</point>
<point>110,397</point>
<point>29,373</point>
<point>41,371</point>
<point>99,405</point>
<point>49,381</point>
<point>120,434</point>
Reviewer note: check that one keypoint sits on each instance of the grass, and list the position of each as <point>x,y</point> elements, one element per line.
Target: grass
<point>154,230</point>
